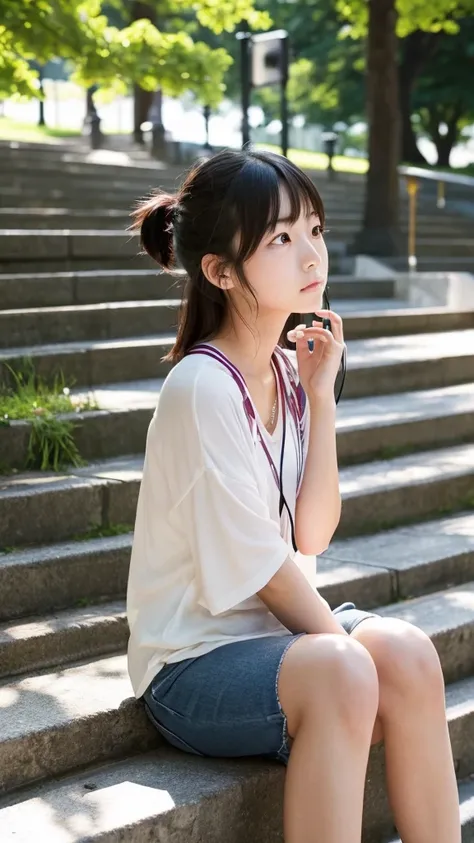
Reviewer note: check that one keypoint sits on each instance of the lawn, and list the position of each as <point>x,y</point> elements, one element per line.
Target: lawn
<point>12,130</point>
<point>319,161</point>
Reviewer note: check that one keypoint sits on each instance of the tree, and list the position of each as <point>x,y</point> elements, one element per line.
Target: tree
<point>117,57</point>
<point>415,52</point>
<point>384,20</point>
<point>444,96</point>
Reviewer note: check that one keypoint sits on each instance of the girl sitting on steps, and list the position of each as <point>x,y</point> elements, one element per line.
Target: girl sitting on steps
<point>232,648</point>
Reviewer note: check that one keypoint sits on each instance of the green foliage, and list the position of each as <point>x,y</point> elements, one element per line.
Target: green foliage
<point>29,396</point>
<point>114,57</point>
<point>326,81</point>
<point>445,93</point>
<point>104,531</point>
<point>51,445</point>
<point>436,16</point>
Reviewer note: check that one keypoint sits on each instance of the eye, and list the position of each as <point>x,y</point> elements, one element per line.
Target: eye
<point>284,234</point>
<point>318,230</point>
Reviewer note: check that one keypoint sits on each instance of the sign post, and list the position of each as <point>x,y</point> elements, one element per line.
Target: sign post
<point>264,61</point>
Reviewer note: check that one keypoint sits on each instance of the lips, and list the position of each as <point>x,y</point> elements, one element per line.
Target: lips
<point>315,284</point>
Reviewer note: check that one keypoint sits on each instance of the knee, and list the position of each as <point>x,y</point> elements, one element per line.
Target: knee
<point>345,680</point>
<point>406,659</point>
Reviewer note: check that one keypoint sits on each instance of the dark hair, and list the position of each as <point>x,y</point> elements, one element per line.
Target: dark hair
<point>232,192</point>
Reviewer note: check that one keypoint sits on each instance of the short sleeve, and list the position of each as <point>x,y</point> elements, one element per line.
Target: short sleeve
<point>235,543</point>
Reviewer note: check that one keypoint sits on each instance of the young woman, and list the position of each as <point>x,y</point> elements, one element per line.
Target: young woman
<point>232,648</point>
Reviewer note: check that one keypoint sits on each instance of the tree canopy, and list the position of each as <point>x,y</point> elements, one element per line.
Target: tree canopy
<point>113,56</point>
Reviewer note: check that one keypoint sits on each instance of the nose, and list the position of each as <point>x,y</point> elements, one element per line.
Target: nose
<point>312,256</point>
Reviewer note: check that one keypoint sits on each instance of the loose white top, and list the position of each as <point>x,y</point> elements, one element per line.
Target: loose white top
<point>207,532</point>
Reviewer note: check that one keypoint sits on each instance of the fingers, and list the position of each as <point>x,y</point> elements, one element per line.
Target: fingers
<point>336,323</point>
<point>306,334</point>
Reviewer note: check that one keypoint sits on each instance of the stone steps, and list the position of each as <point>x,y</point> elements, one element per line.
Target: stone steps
<point>51,578</point>
<point>62,721</point>
<point>152,794</point>
<point>109,320</point>
<point>78,757</point>
<point>367,428</point>
<point>27,289</point>
<point>57,289</point>
<point>375,366</point>
<point>397,564</point>
<point>44,507</point>
<point>338,227</point>
<point>21,250</point>
<point>386,576</point>
<point>51,641</point>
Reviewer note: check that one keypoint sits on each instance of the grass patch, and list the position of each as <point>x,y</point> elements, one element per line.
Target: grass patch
<point>13,130</point>
<point>103,532</point>
<point>16,131</point>
<point>308,160</point>
<point>51,445</point>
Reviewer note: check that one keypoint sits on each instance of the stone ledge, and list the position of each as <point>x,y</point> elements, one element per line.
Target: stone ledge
<point>55,577</point>
<point>181,778</point>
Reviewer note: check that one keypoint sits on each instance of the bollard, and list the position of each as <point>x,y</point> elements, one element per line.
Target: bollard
<point>412,188</point>
<point>441,198</point>
<point>329,139</point>
<point>158,140</point>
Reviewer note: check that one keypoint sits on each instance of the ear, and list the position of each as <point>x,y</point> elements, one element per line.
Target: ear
<point>214,271</point>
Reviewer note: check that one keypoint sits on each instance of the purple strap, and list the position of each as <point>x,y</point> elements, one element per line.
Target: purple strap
<point>294,395</point>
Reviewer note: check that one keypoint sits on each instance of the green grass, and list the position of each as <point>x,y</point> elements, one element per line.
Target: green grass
<point>319,161</point>
<point>103,532</point>
<point>12,130</point>
<point>28,397</point>
<point>15,131</point>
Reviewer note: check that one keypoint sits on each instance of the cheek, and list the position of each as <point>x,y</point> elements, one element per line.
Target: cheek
<point>323,253</point>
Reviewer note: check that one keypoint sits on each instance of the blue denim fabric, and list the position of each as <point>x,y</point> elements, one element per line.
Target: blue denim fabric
<point>225,703</point>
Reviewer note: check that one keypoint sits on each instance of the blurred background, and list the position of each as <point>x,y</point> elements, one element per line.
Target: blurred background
<point>175,64</point>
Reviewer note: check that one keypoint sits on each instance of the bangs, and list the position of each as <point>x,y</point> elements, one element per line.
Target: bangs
<point>255,199</point>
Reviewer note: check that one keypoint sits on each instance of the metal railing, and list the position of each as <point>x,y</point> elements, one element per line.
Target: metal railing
<point>413,176</point>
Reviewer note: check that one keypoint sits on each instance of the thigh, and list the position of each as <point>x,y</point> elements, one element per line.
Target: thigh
<point>224,703</point>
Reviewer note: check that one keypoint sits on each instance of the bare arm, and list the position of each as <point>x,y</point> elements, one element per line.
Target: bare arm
<point>289,596</point>
<point>318,506</point>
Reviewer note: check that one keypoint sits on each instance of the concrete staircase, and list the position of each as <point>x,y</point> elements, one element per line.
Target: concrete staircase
<point>78,758</point>
<point>82,208</point>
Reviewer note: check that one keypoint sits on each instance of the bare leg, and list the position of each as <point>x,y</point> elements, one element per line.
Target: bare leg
<point>329,693</point>
<point>421,779</point>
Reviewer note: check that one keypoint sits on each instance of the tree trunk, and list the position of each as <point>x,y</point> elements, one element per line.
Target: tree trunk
<point>380,232</point>
<point>410,152</point>
<point>438,114</point>
<point>446,142</point>
<point>415,51</point>
<point>142,99</point>
<point>141,106</point>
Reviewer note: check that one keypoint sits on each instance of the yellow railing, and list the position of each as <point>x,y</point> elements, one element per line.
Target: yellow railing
<point>413,176</point>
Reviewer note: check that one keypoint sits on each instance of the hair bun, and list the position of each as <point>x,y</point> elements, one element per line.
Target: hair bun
<point>154,217</point>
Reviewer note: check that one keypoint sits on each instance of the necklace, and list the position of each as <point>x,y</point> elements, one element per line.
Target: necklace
<point>272,417</point>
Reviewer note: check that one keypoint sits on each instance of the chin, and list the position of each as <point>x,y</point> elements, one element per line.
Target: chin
<point>315,304</point>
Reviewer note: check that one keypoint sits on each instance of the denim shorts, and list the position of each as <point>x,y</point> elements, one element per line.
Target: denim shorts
<point>225,704</point>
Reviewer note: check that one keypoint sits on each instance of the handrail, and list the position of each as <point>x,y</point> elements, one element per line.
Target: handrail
<point>436,175</point>
<point>413,175</point>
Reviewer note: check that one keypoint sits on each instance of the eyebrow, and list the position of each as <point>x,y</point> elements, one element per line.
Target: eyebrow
<point>311,213</point>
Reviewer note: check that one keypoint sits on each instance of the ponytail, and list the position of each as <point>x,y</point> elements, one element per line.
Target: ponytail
<point>153,218</point>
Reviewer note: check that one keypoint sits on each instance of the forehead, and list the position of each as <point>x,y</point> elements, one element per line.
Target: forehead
<point>285,209</point>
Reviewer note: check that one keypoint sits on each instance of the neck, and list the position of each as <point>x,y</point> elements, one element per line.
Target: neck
<point>252,353</point>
